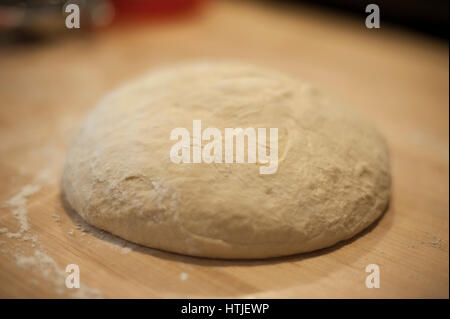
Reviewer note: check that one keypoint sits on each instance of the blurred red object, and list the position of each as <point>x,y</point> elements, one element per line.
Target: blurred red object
<point>152,9</point>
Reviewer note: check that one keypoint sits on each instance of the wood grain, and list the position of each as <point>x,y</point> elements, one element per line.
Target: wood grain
<point>398,79</point>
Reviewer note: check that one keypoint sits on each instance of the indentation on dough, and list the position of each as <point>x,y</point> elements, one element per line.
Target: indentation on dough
<point>363,170</point>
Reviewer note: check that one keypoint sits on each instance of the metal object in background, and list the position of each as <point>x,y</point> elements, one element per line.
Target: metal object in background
<point>44,17</point>
<point>48,16</point>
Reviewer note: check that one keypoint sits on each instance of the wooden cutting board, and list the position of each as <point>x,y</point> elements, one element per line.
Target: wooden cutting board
<point>398,79</point>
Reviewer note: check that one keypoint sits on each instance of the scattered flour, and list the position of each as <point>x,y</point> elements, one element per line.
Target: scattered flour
<point>184,276</point>
<point>115,243</point>
<point>32,238</point>
<point>112,241</point>
<point>125,250</point>
<point>42,264</point>
<point>18,205</point>
<point>434,242</point>
<point>38,261</point>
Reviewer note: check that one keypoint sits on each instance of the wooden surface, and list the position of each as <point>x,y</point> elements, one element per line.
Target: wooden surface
<point>398,79</point>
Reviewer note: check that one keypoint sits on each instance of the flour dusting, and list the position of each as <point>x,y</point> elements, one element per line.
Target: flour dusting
<point>38,261</point>
<point>18,205</point>
<point>184,276</point>
<point>45,266</point>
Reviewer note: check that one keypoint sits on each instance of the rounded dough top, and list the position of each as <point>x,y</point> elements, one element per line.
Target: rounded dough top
<point>332,181</point>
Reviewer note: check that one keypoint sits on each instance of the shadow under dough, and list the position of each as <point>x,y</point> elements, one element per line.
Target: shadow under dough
<point>203,261</point>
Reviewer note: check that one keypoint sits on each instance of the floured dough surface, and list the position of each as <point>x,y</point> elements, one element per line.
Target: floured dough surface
<point>332,181</point>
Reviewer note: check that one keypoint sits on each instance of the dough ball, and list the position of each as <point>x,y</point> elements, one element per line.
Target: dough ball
<point>332,179</point>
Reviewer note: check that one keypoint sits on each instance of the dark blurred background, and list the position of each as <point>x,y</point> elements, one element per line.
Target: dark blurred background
<point>23,18</point>
<point>430,17</point>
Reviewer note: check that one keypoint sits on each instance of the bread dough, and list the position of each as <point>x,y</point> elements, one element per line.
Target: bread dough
<point>333,176</point>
